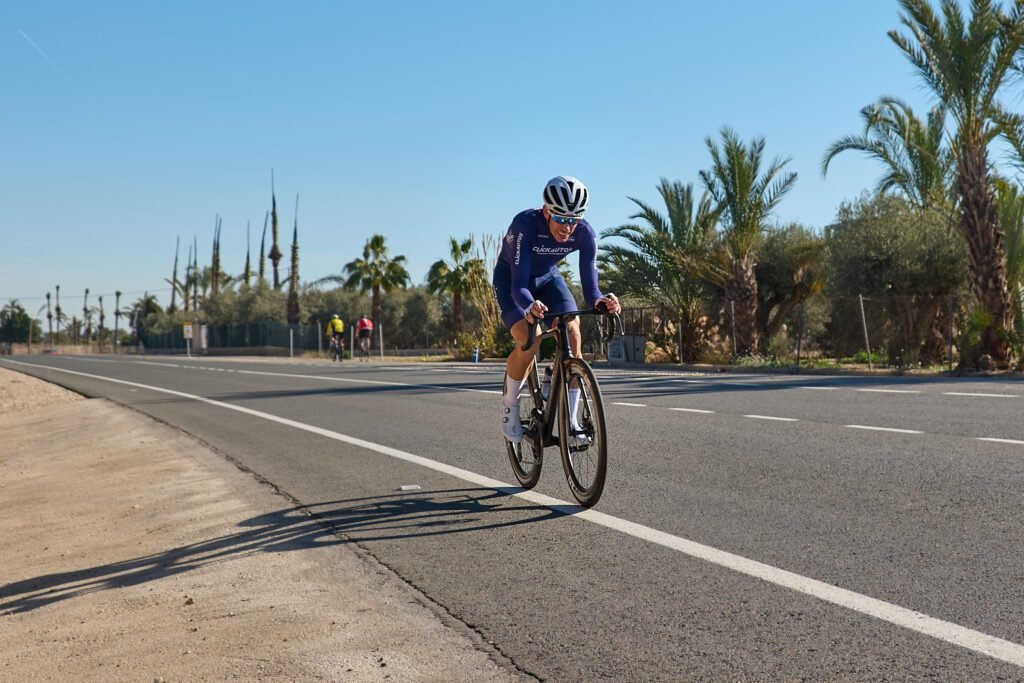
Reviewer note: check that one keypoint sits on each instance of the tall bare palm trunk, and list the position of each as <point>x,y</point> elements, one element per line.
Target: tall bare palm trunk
<point>741,305</point>
<point>375,304</point>
<point>979,223</point>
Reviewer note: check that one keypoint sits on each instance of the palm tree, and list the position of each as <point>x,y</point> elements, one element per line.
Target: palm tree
<point>918,164</point>
<point>1011,218</point>
<point>745,197</point>
<point>965,64</point>
<point>653,264</point>
<point>174,277</point>
<point>49,319</point>
<point>60,317</point>
<point>455,277</point>
<point>373,272</point>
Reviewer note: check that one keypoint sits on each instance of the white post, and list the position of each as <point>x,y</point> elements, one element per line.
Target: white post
<point>319,339</point>
<point>291,342</point>
<point>732,320</point>
<point>188,347</point>
<point>380,330</point>
<point>864,321</point>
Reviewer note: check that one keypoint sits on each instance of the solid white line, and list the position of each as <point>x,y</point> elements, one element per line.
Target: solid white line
<point>891,391</point>
<point>631,405</point>
<point>693,410</point>
<point>886,429</point>
<point>946,631</point>
<point>769,417</point>
<point>987,438</point>
<point>964,393</point>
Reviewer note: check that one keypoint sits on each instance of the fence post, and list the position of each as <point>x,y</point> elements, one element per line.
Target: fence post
<point>800,336</point>
<point>680,347</point>
<point>864,322</point>
<point>732,320</point>
<point>949,353</point>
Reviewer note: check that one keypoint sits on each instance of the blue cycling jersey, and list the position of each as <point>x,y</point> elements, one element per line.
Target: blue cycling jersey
<point>529,251</point>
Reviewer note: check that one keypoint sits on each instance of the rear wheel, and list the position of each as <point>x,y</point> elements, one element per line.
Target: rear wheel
<point>527,455</point>
<point>582,437</point>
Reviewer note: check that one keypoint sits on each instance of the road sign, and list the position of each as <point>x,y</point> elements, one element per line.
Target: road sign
<point>187,329</point>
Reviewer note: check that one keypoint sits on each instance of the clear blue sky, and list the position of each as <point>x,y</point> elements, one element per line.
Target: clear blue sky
<point>127,124</point>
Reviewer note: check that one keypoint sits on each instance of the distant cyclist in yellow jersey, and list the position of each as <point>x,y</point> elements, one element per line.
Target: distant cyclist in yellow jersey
<point>335,331</point>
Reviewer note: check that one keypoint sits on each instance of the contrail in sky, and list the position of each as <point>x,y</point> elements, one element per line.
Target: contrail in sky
<point>45,56</point>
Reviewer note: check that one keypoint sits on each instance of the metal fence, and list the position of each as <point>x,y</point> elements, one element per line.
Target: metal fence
<point>241,336</point>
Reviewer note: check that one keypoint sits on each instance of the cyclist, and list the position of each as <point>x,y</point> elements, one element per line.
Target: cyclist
<point>528,284</point>
<point>335,332</point>
<point>364,330</point>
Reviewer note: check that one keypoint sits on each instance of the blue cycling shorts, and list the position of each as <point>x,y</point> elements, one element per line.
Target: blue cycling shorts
<point>549,288</point>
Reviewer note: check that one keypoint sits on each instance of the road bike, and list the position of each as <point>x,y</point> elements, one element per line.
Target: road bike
<point>582,437</point>
<point>336,351</point>
<point>364,345</point>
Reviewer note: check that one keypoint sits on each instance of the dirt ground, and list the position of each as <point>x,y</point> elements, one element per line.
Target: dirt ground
<point>133,553</point>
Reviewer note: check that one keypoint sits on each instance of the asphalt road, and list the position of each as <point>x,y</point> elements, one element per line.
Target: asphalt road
<point>753,527</point>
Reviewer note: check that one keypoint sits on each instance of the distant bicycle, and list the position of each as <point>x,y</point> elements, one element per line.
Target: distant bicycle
<point>364,346</point>
<point>336,351</point>
<point>582,438</point>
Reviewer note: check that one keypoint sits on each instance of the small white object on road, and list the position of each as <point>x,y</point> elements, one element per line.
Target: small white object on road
<point>409,487</point>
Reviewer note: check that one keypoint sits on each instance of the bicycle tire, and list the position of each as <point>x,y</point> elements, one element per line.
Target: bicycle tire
<point>584,453</point>
<point>527,456</point>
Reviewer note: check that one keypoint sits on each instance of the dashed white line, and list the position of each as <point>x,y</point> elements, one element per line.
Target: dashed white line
<point>891,391</point>
<point>769,417</point>
<point>693,410</point>
<point>989,438</point>
<point>965,393</point>
<point>885,429</point>
<point>631,405</point>
<point>821,388</point>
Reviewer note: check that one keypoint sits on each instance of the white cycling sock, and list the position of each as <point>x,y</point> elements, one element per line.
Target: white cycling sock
<point>512,387</point>
<point>574,403</point>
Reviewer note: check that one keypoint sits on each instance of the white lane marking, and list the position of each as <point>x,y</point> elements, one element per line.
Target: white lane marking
<point>769,417</point>
<point>988,438</point>
<point>820,388</point>
<point>891,391</point>
<point>161,365</point>
<point>368,381</point>
<point>632,405</point>
<point>886,429</point>
<point>693,410</point>
<point>939,629</point>
<point>965,393</point>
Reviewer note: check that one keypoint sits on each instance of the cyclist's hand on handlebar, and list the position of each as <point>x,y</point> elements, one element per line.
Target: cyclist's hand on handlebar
<point>536,311</point>
<point>608,304</point>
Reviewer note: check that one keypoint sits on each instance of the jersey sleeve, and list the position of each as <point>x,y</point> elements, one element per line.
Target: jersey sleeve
<point>520,265</point>
<point>588,268</point>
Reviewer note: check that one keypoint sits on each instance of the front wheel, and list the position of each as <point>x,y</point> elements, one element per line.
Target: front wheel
<point>582,436</point>
<point>527,456</point>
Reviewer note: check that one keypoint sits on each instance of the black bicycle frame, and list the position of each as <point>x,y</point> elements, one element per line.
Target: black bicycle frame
<point>563,352</point>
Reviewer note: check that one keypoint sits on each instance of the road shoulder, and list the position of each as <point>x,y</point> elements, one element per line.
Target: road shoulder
<point>133,552</point>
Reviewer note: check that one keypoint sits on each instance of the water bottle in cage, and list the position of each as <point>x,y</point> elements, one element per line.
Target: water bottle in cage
<point>545,382</point>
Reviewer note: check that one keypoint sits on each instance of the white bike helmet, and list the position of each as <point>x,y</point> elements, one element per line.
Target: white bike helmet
<point>566,196</point>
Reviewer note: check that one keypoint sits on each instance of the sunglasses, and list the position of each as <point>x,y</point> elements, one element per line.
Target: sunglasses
<point>565,220</point>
